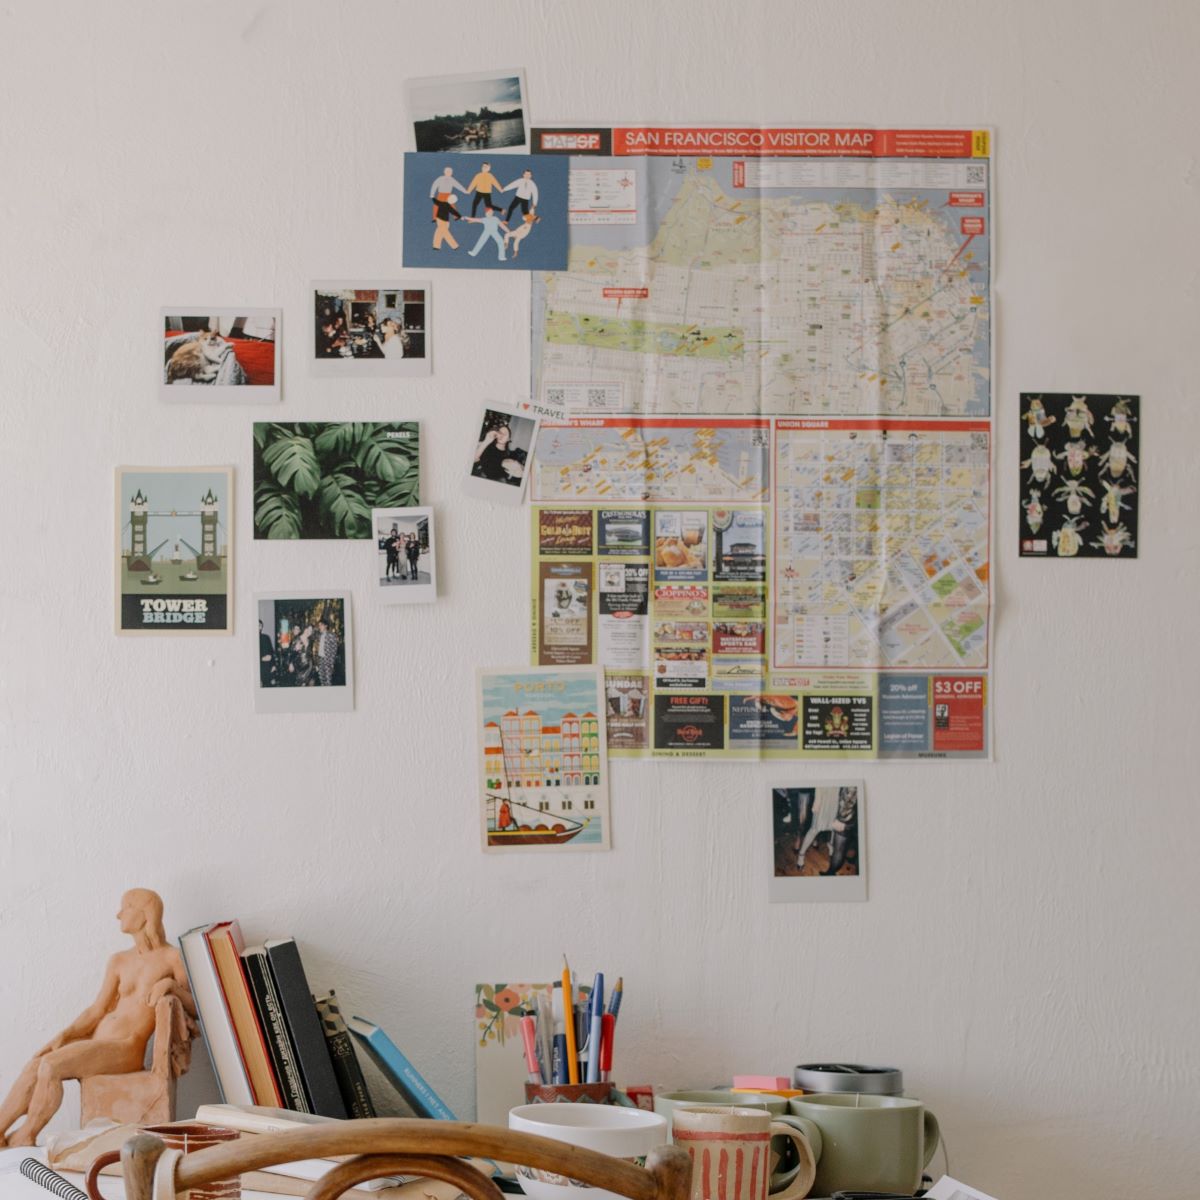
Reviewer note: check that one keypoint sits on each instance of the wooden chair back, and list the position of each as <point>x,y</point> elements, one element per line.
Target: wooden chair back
<point>386,1146</point>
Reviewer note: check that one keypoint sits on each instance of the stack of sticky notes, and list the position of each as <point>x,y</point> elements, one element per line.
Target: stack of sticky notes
<point>772,1085</point>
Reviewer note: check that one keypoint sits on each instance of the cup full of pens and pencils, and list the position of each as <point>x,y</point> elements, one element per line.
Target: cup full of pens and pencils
<point>569,1044</point>
<point>568,1056</point>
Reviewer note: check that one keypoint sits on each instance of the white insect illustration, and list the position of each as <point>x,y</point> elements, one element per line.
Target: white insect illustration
<point>1037,420</point>
<point>1066,540</point>
<point>1075,494</point>
<point>1120,420</point>
<point>1034,512</point>
<point>1041,463</point>
<point>1118,459</point>
<point>1113,541</point>
<point>1111,503</point>
<point>1078,417</point>
<point>1076,455</point>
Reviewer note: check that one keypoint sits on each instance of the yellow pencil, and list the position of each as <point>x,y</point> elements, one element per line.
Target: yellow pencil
<point>569,1021</point>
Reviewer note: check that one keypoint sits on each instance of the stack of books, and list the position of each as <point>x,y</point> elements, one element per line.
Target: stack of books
<point>274,1044</point>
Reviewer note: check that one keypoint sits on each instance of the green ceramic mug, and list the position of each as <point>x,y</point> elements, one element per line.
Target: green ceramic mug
<point>868,1143</point>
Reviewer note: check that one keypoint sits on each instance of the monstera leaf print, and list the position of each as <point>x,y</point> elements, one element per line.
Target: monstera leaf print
<point>321,480</point>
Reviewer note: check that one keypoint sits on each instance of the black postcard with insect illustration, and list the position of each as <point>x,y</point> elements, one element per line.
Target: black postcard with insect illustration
<point>1079,475</point>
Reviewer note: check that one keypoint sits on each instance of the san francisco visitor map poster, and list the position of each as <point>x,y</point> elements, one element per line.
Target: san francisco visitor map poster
<point>769,504</point>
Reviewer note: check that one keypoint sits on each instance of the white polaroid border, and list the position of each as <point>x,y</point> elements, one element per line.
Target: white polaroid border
<point>314,699</point>
<point>595,673</point>
<point>799,889</point>
<point>405,591</point>
<point>121,519</point>
<point>413,85</point>
<point>490,489</point>
<point>176,393</point>
<point>370,368</point>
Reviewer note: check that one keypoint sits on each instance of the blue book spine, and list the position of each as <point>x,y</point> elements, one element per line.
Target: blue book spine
<point>407,1080</point>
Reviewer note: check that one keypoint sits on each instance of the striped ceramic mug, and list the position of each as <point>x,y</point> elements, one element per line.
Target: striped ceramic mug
<point>731,1152</point>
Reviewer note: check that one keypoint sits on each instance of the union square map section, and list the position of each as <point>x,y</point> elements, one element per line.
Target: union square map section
<point>673,601</point>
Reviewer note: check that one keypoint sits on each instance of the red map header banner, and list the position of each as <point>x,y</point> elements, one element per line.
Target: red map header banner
<point>799,142</point>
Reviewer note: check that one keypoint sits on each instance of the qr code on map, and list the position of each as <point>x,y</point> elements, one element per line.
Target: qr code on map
<point>556,396</point>
<point>760,437</point>
<point>597,397</point>
<point>977,174</point>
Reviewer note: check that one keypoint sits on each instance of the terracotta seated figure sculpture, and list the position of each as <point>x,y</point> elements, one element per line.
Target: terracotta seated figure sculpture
<point>109,1038</point>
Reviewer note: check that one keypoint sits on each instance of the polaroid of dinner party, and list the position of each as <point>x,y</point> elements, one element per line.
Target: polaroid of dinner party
<point>219,355</point>
<point>371,328</point>
<point>500,454</point>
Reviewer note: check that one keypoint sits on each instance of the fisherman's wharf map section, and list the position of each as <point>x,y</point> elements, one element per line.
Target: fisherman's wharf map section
<point>767,514</point>
<point>604,460</point>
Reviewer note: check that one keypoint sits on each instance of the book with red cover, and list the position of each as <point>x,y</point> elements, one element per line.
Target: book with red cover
<point>225,943</point>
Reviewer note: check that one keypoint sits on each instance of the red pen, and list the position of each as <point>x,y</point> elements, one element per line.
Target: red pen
<point>529,1037</point>
<point>608,1030</point>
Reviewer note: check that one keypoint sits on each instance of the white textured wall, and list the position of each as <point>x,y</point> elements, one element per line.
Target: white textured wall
<point>1029,951</point>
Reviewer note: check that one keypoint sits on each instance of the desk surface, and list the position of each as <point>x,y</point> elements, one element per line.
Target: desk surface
<point>14,1185</point>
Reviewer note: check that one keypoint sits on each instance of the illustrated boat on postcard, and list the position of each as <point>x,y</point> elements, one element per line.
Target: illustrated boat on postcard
<point>542,783</point>
<point>514,823</point>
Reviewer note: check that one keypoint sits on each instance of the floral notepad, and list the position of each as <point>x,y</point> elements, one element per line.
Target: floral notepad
<point>500,1071</point>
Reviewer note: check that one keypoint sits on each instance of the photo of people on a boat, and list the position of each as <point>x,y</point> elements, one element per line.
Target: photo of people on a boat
<point>455,113</point>
<point>543,759</point>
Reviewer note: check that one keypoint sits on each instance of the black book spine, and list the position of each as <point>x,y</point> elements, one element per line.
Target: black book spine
<point>345,1064</point>
<point>270,1017</point>
<point>304,1028</point>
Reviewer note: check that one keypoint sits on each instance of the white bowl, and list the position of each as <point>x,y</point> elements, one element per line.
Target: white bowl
<point>628,1133</point>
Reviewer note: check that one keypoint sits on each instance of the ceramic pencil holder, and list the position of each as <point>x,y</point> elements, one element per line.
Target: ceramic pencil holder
<point>569,1093</point>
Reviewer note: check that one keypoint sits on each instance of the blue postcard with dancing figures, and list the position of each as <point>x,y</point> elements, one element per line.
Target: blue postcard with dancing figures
<point>506,212</point>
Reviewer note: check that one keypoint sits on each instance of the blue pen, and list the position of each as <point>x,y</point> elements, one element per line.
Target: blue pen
<point>596,1035</point>
<point>560,1058</point>
<point>560,1072</point>
<point>614,1001</point>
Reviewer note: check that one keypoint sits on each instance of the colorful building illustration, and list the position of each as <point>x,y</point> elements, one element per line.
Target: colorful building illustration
<point>530,754</point>
<point>493,756</point>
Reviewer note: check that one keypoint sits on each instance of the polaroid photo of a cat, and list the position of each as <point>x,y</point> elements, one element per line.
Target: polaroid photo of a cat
<point>219,355</point>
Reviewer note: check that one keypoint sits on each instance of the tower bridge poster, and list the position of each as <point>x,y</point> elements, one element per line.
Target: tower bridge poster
<point>174,569</point>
